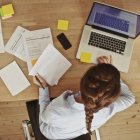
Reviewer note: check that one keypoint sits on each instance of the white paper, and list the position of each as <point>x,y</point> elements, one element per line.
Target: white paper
<point>35,42</point>
<point>15,44</point>
<point>51,65</point>
<point>14,78</point>
<point>2,50</point>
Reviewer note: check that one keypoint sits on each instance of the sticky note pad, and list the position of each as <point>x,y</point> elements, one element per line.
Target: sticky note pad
<point>86,57</point>
<point>63,25</point>
<point>7,10</point>
<point>1,13</point>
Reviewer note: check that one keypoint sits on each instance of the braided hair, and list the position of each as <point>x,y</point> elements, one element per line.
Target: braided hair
<point>99,86</point>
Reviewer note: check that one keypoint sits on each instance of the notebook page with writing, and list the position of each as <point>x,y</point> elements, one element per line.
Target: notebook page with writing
<point>51,65</point>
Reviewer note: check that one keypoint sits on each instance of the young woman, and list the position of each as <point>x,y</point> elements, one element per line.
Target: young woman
<point>101,95</point>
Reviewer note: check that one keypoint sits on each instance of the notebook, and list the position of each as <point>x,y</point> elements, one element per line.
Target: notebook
<point>14,78</point>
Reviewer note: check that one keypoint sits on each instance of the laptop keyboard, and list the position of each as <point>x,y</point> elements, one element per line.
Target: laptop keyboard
<point>113,22</point>
<point>106,42</point>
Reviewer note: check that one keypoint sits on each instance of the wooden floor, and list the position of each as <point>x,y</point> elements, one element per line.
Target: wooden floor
<point>123,126</point>
<point>11,116</point>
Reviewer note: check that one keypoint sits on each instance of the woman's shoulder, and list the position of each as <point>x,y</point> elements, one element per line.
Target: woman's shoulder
<point>63,97</point>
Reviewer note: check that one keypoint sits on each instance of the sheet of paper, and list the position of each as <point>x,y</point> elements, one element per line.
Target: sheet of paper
<point>35,42</point>
<point>2,50</point>
<point>14,78</point>
<point>15,44</point>
<point>86,57</point>
<point>51,65</point>
<point>63,25</point>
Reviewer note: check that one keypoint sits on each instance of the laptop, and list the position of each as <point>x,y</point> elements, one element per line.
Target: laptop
<point>110,31</point>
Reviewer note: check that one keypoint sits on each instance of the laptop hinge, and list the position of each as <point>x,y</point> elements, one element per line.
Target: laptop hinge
<point>109,31</point>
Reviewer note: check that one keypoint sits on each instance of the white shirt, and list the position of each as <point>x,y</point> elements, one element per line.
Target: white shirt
<point>64,118</point>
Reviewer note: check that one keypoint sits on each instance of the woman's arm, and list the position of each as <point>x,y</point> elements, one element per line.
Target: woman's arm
<point>125,100</point>
<point>44,98</point>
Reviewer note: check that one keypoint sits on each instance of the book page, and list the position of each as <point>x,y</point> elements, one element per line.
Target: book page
<point>35,42</point>
<point>14,78</point>
<point>51,65</point>
<point>15,44</point>
<point>2,50</point>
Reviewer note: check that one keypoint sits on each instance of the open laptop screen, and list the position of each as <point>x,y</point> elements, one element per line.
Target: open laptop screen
<point>114,19</point>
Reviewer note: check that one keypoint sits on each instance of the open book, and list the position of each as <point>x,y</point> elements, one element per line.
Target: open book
<point>51,65</point>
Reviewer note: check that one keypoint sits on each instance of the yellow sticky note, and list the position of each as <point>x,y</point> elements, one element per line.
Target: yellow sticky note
<point>63,25</point>
<point>86,57</point>
<point>7,10</point>
<point>1,12</point>
<point>34,61</point>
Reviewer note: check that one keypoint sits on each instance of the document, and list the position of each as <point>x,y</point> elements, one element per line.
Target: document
<point>51,65</point>
<point>14,78</point>
<point>15,44</point>
<point>2,50</point>
<point>35,42</point>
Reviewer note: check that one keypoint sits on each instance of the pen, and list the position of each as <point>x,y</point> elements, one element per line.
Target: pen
<point>39,81</point>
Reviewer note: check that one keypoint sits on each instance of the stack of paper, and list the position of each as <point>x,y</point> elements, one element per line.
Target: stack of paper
<point>6,11</point>
<point>35,42</point>
<point>28,45</point>
<point>14,78</point>
<point>51,65</point>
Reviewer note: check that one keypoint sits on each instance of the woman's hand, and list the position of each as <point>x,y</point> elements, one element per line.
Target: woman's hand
<point>105,59</point>
<point>38,80</point>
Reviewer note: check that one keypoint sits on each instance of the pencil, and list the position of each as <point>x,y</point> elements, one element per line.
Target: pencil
<point>39,81</point>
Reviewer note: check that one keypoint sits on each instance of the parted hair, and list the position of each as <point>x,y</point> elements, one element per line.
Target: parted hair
<point>100,86</point>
